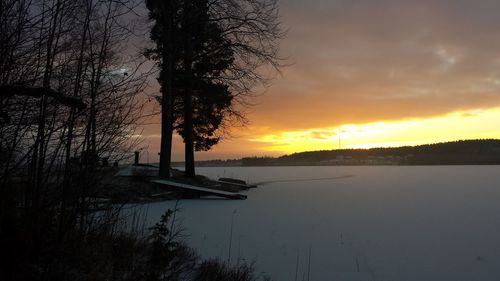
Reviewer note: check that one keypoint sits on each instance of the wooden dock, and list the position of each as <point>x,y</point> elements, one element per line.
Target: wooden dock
<point>200,190</point>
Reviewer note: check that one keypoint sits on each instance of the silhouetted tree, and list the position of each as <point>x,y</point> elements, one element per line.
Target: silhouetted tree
<point>199,55</point>
<point>216,45</point>
<point>203,90</point>
<point>210,105</point>
<point>254,30</point>
<point>165,35</point>
<point>55,53</point>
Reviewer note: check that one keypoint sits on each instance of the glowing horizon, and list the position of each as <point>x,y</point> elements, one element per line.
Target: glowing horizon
<point>475,124</point>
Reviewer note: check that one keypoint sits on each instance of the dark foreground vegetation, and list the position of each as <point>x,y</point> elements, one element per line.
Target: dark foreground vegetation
<point>467,152</point>
<point>112,247</point>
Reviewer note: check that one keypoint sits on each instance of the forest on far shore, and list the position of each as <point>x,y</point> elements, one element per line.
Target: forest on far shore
<point>464,152</point>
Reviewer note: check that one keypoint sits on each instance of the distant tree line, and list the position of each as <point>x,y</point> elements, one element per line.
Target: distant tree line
<point>465,152</point>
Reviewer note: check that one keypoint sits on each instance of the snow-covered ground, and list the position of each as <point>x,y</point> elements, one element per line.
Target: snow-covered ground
<point>391,223</point>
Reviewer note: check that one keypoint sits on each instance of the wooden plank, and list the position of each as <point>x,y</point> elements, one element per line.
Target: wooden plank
<point>205,190</point>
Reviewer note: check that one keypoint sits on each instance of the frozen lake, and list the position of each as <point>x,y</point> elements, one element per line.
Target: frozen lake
<point>361,223</point>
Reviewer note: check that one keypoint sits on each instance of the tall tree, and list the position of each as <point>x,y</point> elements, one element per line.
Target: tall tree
<point>189,52</point>
<point>205,97</point>
<point>217,49</point>
<point>164,33</point>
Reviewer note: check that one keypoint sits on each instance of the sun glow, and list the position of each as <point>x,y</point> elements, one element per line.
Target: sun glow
<point>472,124</point>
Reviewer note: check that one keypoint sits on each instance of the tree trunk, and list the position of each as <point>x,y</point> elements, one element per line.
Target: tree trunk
<point>167,96</point>
<point>188,138</point>
<point>166,129</point>
<point>187,97</point>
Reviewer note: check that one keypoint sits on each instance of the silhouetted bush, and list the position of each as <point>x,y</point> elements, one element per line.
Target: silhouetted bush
<point>215,270</point>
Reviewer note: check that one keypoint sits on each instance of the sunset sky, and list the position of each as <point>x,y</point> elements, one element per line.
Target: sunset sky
<point>371,73</point>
